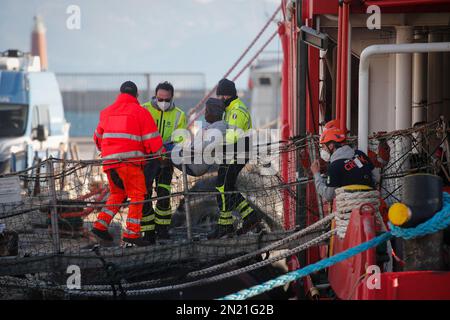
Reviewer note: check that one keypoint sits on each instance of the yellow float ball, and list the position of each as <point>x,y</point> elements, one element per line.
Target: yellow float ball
<point>398,214</point>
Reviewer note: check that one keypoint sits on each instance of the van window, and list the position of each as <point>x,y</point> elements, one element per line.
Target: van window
<point>13,119</point>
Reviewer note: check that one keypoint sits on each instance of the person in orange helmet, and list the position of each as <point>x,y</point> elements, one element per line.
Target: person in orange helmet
<point>379,158</point>
<point>347,166</point>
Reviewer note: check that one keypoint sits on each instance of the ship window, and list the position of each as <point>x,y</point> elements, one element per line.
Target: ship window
<point>264,81</point>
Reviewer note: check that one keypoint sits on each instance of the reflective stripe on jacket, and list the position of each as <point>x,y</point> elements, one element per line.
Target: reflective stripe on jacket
<point>168,121</point>
<point>126,130</point>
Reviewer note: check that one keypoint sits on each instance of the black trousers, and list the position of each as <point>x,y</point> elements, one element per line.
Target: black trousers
<point>162,176</point>
<point>226,181</point>
<point>151,170</point>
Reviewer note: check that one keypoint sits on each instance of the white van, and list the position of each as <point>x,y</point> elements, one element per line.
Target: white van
<point>32,121</point>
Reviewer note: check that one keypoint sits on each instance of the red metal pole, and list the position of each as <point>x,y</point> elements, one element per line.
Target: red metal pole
<point>338,69</point>
<point>312,123</point>
<point>285,119</point>
<point>344,67</point>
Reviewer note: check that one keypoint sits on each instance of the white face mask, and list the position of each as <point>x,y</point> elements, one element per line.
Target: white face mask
<point>325,155</point>
<point>163,105</point>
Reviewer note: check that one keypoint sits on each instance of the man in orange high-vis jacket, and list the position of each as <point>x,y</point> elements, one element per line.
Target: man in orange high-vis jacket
<point>125,134</point>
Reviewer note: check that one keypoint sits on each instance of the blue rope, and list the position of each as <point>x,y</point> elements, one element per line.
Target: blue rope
<point>439,221</point>
<point>297,274</point>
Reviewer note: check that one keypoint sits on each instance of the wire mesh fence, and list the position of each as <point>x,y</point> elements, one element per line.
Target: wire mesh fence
<point>57,201</point>
<point>420,149</point>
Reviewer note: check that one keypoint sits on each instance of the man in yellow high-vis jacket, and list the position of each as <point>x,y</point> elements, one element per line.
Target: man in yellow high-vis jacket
<point>168,118</point>
<point>238,121</point>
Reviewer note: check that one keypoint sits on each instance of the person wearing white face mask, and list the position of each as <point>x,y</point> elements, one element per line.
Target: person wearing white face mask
<point>379,158</point>
<point>168,119</point>
<point>325,155</point>
<point>346,166</point>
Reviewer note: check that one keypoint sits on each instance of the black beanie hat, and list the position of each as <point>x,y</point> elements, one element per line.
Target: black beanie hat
<point>226,88</point>
<point>129,87</point>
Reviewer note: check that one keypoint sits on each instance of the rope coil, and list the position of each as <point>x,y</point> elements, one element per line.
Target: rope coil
<point>347,201</point>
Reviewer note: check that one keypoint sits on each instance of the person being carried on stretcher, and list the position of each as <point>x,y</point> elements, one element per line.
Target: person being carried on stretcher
<point>205,139</point>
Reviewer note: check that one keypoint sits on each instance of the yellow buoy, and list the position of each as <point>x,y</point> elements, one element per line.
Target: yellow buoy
<point>399,214</point>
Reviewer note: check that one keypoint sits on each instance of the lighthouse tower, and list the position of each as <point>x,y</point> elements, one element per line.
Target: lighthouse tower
<point>39,42</point>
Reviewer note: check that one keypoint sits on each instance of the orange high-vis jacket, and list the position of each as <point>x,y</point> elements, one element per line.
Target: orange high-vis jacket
<point>126,131</point>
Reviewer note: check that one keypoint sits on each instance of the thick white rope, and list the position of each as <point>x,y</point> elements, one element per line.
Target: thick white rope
<point>347,201</point>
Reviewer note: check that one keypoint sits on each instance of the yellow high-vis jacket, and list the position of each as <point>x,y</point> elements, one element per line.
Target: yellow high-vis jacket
<point>168,121</point>
<point>236,117</point>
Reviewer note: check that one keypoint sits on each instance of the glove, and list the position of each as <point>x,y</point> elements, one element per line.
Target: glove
<point>169,146</point>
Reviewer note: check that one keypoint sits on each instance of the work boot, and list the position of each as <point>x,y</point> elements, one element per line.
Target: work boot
<point>102,234</point>
<point>139,242</point>
<point>221,231</point>
<point>150,236</point>
<point>250,222</point>
<point>162,232</point>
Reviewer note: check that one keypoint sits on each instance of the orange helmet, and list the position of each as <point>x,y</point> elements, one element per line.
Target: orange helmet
<point>332,134</point>
<point>331,124</point>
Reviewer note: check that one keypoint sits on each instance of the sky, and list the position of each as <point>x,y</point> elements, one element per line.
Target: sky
<point>204,36</point>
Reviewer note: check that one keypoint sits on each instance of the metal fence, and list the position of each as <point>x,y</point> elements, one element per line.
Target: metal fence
<point>47,227</point>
